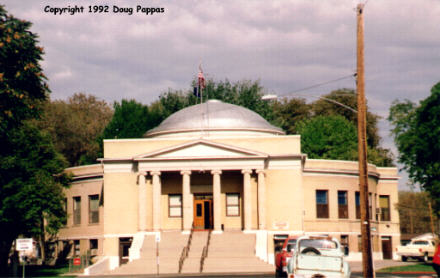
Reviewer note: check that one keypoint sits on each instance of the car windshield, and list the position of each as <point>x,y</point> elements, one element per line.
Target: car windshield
<point>317,243</point>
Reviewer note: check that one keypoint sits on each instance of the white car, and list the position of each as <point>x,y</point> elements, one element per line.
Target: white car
<point>421,249</point>
<point>318,256</point>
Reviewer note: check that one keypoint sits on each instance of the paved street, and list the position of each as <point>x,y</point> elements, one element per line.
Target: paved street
<point>244,275</point>
<point>356,268</point>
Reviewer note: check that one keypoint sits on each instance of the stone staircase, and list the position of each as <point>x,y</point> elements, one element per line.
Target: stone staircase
<point>192,262</point>
<point>170,248</point>
<point>234,252</point>
<point>231,251</point>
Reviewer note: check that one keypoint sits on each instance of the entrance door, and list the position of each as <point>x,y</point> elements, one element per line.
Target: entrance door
<point>124,245</point>
<point>386,248</point>
<point>202,214</point>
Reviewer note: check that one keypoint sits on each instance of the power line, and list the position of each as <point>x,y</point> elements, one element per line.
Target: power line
<point>320,84</point>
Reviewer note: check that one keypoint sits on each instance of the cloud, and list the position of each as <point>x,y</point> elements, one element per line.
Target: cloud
<point>285,44</point>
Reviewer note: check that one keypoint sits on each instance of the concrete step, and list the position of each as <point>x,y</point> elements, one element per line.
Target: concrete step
<point>234,252</point>
<point>170,248</point>
<point>192,262</point>
<point>191,265</point>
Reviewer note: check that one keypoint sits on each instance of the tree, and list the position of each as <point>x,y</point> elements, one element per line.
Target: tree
<point>376,154</point>
<point>22,84</point>
<point>75,126</point>
<point>130,120</point>
<point>31,179</point>
<point>417,135</point>
<point>244,93</point>
<point>328,137</point>
<point>347,97</point>
<point>414,213</point>
<point>289,112</point>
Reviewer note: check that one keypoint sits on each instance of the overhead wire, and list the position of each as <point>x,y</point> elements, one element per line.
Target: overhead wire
<point>320,84</point>
<point>320,97</point>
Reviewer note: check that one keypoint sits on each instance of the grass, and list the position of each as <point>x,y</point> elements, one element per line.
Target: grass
<point>45,271</point>
<point>422,267</point>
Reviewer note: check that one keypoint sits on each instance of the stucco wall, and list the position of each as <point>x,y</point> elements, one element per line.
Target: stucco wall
<point>274,145</point>
<point>284,202</point>
<point>121,203</point>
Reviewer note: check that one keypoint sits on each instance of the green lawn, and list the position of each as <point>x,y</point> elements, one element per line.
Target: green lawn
<point>422,267</point>
<point>45,271</point>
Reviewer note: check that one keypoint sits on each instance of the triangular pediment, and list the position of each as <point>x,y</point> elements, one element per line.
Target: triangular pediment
<point>201,149</point>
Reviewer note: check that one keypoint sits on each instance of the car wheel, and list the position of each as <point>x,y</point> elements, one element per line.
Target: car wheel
<point>404,259</point>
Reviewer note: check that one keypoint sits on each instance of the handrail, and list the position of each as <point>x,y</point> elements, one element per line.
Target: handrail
<point>182,258</point>
<point>205,252</point>
<point>185,249</point>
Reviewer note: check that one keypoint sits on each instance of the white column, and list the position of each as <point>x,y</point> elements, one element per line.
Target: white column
<point>261,200</point>
<point>156,200</point>
<point>216,189</point>
<point>186,201</point>
<point>247,199</point>
<point>142,213</point>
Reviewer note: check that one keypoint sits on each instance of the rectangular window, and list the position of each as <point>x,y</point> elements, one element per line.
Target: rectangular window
<point>94,209</point>
<point>76,248</point>
<point>65,210</point>
<point>93,244</point>
<point>175,205</point>
<point>370,205</point>
<point>344,244</point>
<point>232,204</point>
<point>77,210</point>
<point>357,198</point>
<point>384,203</point>
<point>342,204</point>
<point>93,247</point>
<point>321,203</point>
<point>359,243</point>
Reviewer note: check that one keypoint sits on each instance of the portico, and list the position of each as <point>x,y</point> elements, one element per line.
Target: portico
<point>212,185</point>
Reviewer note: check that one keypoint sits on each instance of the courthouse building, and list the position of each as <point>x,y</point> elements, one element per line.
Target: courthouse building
<point>221,167</point>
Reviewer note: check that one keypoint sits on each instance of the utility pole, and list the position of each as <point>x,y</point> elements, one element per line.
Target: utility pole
<point>431,218</point>
<point>367,259</point>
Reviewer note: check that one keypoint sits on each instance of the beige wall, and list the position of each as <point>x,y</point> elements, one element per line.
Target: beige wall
<point>121,203</point>
<point>284,200</point>
<point>84,190</point>
<point>171,184</point>
<point>274,145</point>
<point>87,181</point>
<point>231,182</point>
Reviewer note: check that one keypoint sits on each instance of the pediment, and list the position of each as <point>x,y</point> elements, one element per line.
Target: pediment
<point>201,149</point>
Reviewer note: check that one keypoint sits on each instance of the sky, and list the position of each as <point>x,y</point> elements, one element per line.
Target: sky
<point>286,45</point>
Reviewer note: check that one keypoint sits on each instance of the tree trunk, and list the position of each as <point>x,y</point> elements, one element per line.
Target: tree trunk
<point>42,240</point>
<point>5,248</point>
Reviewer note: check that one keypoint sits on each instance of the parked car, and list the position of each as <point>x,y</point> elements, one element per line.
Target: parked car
<point>420,249</point>
<point>286,253</point>
<point>318,256</point>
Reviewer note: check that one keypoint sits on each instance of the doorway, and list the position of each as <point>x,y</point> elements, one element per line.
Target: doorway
<point>387,250</point>
<point>203,214</point>
<point>124,246</point>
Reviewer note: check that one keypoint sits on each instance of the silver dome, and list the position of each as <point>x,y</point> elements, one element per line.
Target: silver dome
<point>213,115</point>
